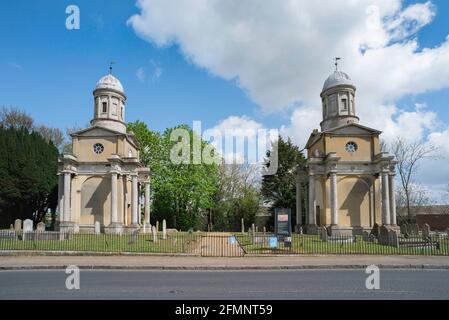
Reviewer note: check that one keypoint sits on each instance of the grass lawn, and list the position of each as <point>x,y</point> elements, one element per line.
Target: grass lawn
<point>183,242</point>
<point>143,243</point>
<point>311,244</point>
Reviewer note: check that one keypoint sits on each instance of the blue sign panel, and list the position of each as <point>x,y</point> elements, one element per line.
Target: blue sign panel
<point>273,242</point>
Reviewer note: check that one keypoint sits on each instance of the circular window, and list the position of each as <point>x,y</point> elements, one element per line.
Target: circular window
<point>351,147</point>
<point>98,148</point>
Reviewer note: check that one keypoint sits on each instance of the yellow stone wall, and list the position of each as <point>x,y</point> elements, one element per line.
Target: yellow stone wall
<point>359,200</point>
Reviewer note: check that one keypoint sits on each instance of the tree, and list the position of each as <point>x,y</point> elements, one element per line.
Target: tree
<point>409,155</point>
<point>279,190</point>
<point>181,193</point>
<point>28,180</point>
<point>238,196</point>
<point>15,118</point>
<point>54,135</point>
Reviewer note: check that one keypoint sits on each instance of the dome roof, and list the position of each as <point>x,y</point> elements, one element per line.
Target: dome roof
<point>110,82</point>
<point>337,78</point>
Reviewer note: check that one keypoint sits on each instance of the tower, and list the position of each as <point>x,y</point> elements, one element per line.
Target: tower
<point>338,101</point>
<point>109,104</point>
<point>350,180</point>
<point>100,180</point>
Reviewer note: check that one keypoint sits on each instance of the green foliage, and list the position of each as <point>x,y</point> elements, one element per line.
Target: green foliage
<point>238,197</point>
<point>28,180</point>
<point>181,193</point>
<point>280,189</point>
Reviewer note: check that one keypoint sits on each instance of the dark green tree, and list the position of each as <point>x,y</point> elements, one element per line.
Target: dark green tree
<point>279,190</point>
<point>28,180</point>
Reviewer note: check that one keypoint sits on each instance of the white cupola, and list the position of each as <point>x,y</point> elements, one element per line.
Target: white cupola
<point>109,104</point>
<point>338,99</point>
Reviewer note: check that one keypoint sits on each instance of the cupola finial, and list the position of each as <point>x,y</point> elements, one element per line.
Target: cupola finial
<point>110,66</point>
<point>336,63</point>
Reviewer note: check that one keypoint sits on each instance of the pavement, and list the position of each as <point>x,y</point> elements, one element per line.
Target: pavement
<point>131,262</point>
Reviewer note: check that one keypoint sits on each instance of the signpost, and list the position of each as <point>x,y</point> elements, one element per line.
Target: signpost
<point>283,225</point>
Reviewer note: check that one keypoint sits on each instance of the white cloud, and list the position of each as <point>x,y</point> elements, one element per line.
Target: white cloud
<point>140,74</point>
<point>242,139</point>
<point>155,74</point>
<point>280,52</point>
<point>157,70</point>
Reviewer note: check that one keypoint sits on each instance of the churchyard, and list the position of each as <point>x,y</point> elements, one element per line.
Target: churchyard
<point>414,241</point>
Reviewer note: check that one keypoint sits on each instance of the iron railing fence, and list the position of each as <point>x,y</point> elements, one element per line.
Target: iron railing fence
<point>219,244</point>
<point>436,244</point>
<point>171,243</point>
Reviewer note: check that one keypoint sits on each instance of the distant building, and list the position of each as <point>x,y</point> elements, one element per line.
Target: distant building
<point>436,216</point>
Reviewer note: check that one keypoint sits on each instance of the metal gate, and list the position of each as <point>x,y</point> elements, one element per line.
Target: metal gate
<point>220,245</point>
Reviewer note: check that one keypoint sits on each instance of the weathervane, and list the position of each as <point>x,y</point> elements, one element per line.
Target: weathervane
<point>110,66</point>
<point>336,63</point>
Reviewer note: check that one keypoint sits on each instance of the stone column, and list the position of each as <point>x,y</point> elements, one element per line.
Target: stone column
<point>312,202</point>
<point>385,199</point>
<point>298,204</point>
<point>60,209</point>
<point>393,220</point>
<point>114,215</point>
<point>67,185</point>
<point>147,203</point>
<point>334,199</point>
<point>135,202</point>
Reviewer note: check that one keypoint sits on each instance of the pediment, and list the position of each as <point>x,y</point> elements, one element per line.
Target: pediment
<point>353,129</point>
<point>96,132</point>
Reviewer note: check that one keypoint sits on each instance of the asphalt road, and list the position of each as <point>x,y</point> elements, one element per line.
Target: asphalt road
<point>260,285</point>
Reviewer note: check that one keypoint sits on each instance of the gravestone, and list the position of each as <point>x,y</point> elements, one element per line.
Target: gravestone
<point>157,226</point>
<point>264,231</point>
<point>243,225</point>
<point>426,230</point>
<point>97,227</point>
<point>372,238</point>
<point>18,225</point>
<point>257,229</point>
<point>253,228</point>
<point>414,230</point>
<point>11,227</point>
<point>154,232</point>
<point>28,226</point>
<point>40,227</point>
<point>323,234</point>
<point>27,229</point>
<point>164,229</point>
<point>383,235</point>
<point>134,236</point>
<point>404,229</point>
<point>375,230</point>
<point>365,236</point>
<point>393,238</point>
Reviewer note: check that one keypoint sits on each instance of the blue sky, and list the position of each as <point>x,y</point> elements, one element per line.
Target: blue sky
<point>262,64</point>
<point>48,71</point>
